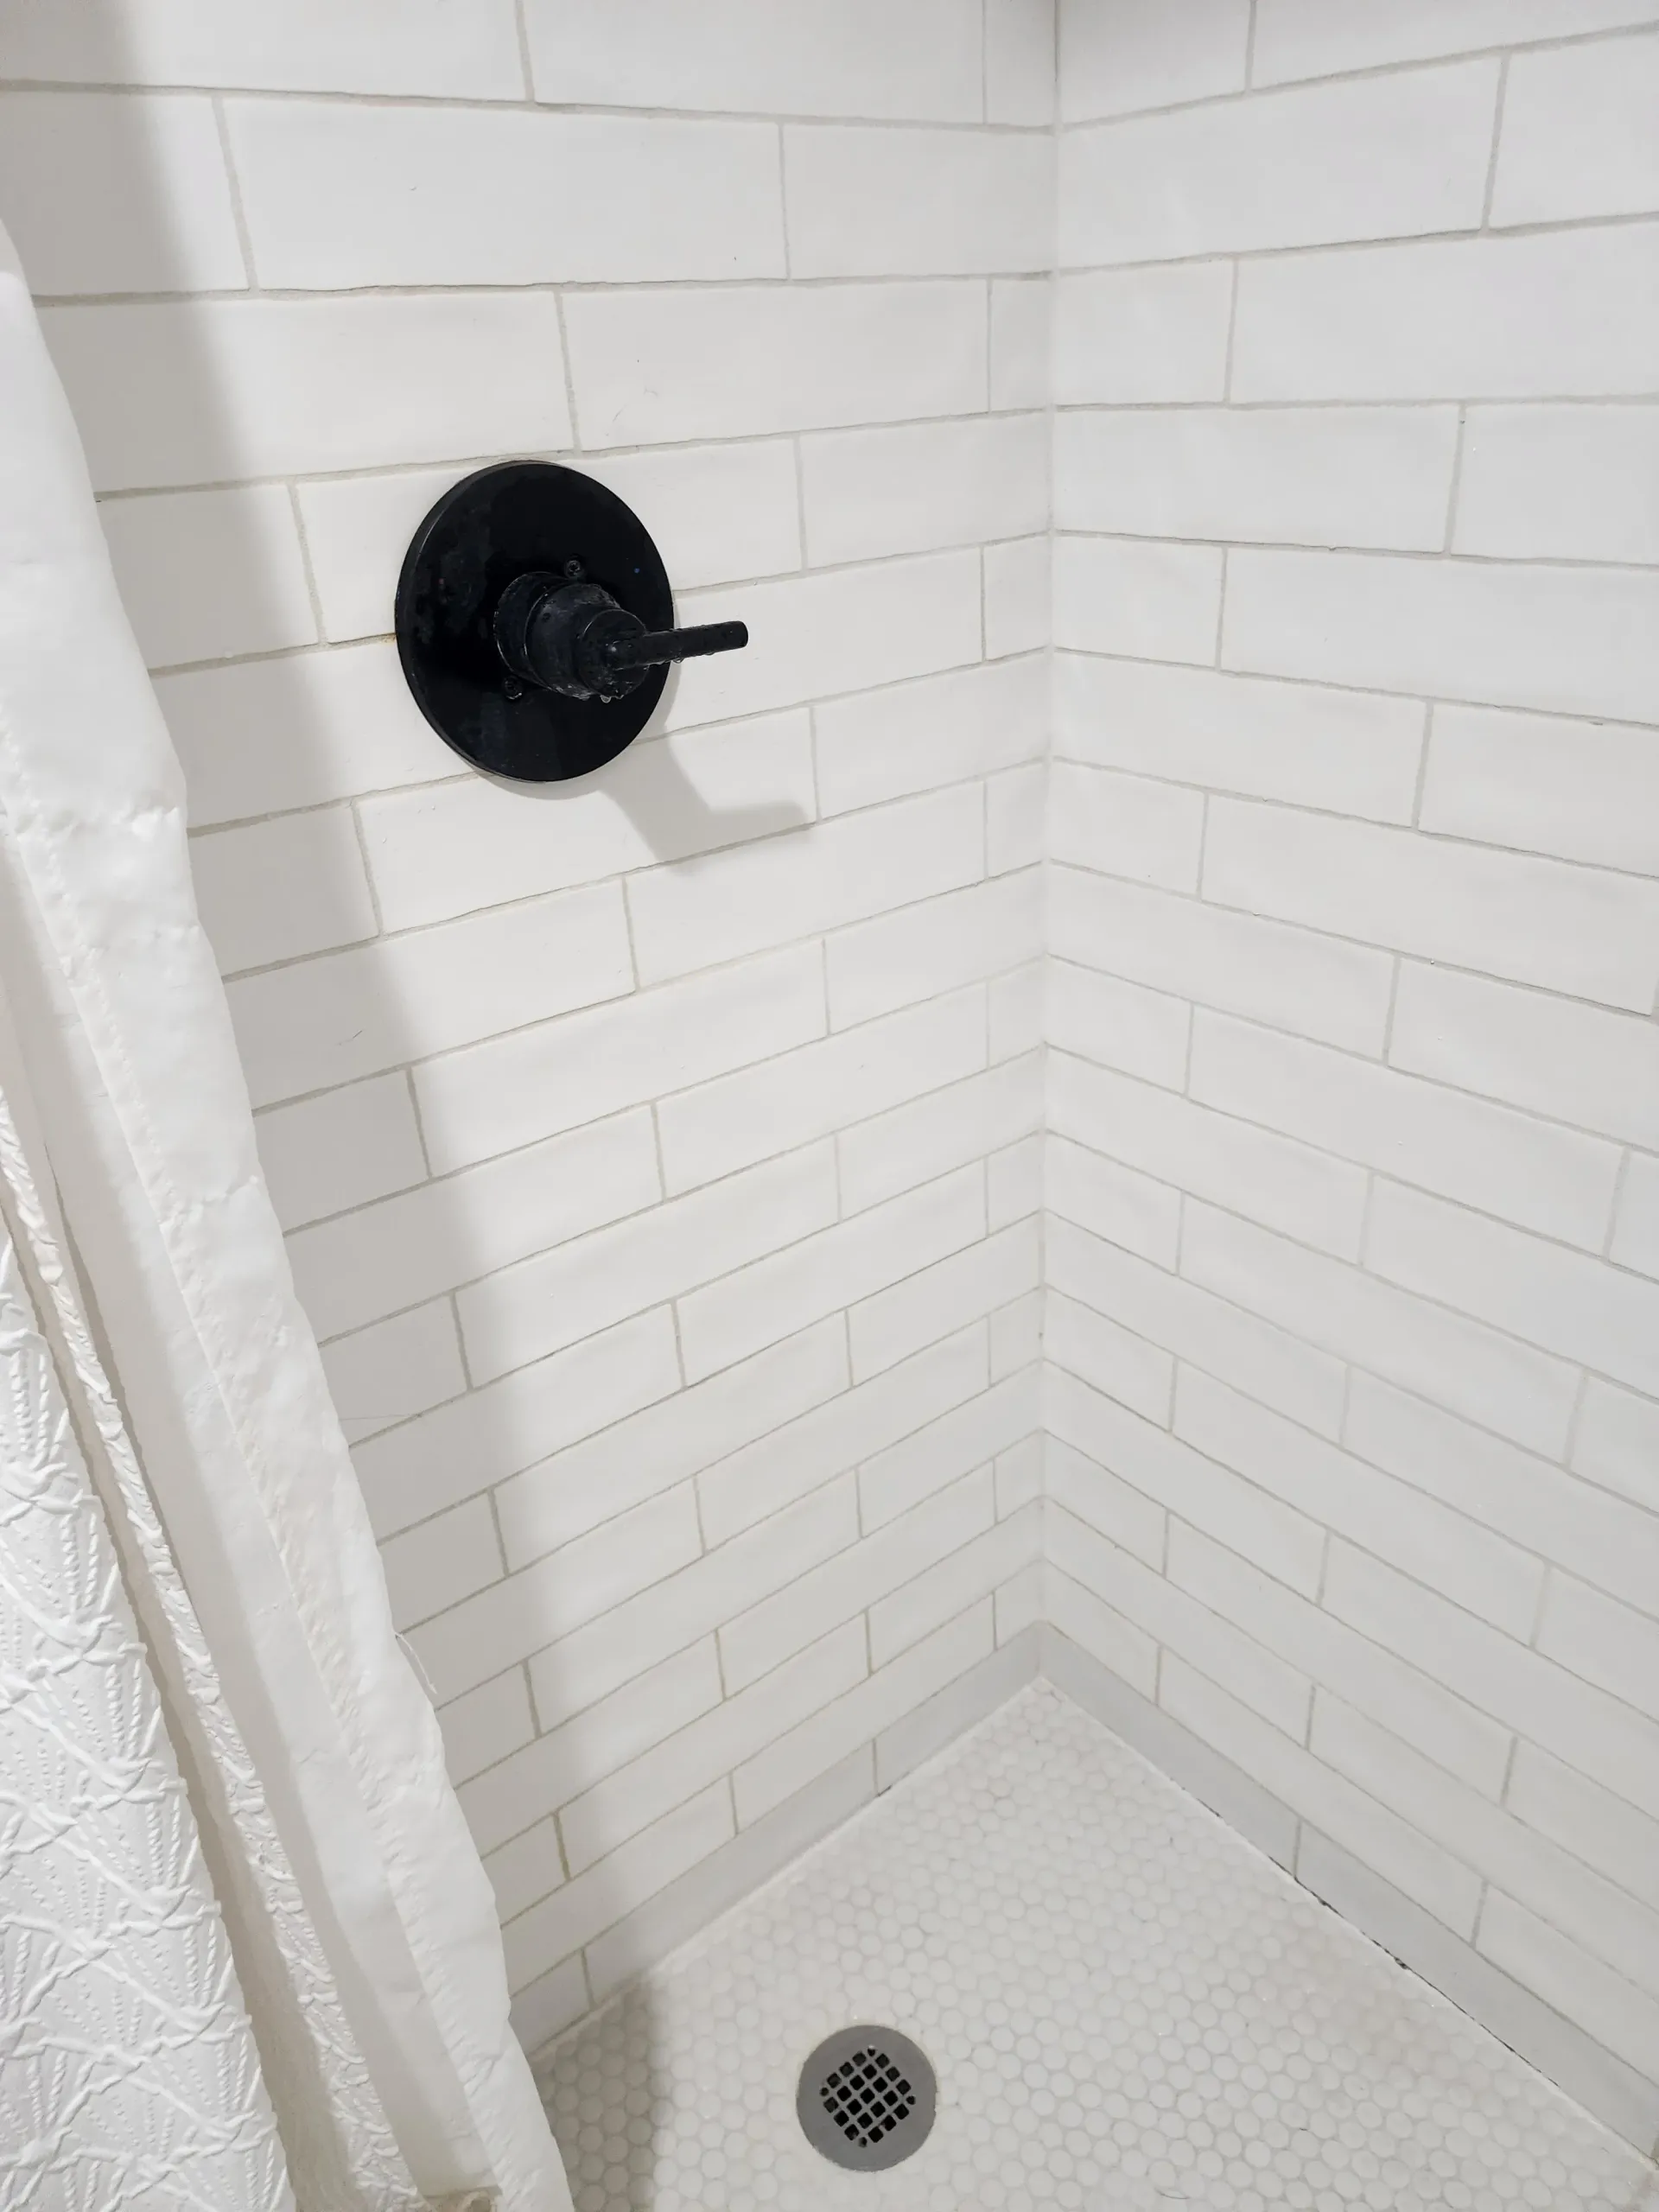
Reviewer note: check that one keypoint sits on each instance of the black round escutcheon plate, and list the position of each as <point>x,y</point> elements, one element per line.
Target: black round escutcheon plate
<point>516,516</point>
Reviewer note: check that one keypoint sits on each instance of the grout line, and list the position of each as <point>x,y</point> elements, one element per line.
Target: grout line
<point>233,182</point>
<point>1497,139</point>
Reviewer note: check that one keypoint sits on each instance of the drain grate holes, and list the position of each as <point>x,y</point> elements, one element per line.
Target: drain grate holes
<point>866,2098</point>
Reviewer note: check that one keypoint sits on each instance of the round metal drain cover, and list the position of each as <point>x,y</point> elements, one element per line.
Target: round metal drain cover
<point>866,2098</point>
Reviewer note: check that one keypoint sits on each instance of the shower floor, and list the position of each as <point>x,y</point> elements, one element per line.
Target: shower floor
<point>1128,2007</point>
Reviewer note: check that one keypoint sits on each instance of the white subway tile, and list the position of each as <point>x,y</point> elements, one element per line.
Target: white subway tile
<point>797,1457</point>
<point>1618,1442</point>
<point>702,912</point>
<point>267,735</point>
<point>1231,1340</point>
<point>465,1444</point>
<point>1345,751</point>
<point>1152,600</point>
<point>1579,790</point>
<point>582,1744</point>
<point>1016,1336</point>
<point>1020,61</point>
<point>205,574</point>
<point>757,1304</point>
<point>584,1908</point>
<point>942,729</point>
<point>1108,1357</point>
<point>509,1091</point>
<point>341,1149</point>
<point>1536,921</point>
<point>1376,1834</point>
<point>947,1449</point>
<point>1120,1204</point>
<point>1568,1302</point>
<point>1556,315</point>
<point>836,1593</point>
<point>438,1564</point>
<point>754,1714</point>
<point>1019,597</point>
<point>739,361</point>
<point>847,630</point>
<point>1015,818</point>
<point>526,1869</point>
<point>450,848</point>
<point>1522,1394</point>
<point>884,1697</point>
<point>1575,1063</point>
<point>401,1249</point>
<point>1126,336</point>
<point>1590,1822</point>
<point>1596,1916</point>
<point>380,46</point>
<point>1139,54</point>
<point>1596,1734</point>
<point>692,1604</point>
<point>1636,1231</point>
<point>518,1314</point>
<point>924,203</point>
<point>1020,1475</point>
<point>337,194</point>
<point>486,1725</point>
<point>1564,483</point>
<point>1577,641</point>
<point>979,1119</point>
<point>1273,1180</point>
<point>1279,1538</point>
<point>1578,137</point>
<point>1355,476</point>
<point>116,192</point>
<point>737,54</point>
<point>1125,825</point>
<point>1603,1642</point>
<point>818,1088</point>
<point>213,389</point>
<point>936,1301</point>
<point>1015,1006</point>
<point>277,890</point>
<point>1085,1621</point>
<point>1289,977</point>
<point>350,1013</point>
<point>1563,1520</point>
<point>589,1579</point>
<point>1620,2016</point>
<point>952,1584</point>
<point>1439,1724</point>
<point>1114,1508</point>
<point>1022,318</point>
<point>1120,1025</point>
<point>1207,1641</point>
<point>1309,166</point>
<point>395,1369</point>
<point>910,488</point>
<point>1530,1172</point>
<point>1317,38</point>
<point>648,1451</point>
<point>1469,1564</point>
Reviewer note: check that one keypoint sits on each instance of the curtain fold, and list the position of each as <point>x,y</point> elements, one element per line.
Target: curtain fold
<point>124,1029</point>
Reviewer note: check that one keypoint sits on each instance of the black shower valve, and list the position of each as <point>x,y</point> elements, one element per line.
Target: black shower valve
<point>566,633</point>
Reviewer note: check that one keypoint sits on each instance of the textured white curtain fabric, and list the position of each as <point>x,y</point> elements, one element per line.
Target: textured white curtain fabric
<point>361,1926</point>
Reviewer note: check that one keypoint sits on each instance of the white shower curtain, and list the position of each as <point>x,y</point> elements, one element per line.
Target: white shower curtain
<point>248,1956</point>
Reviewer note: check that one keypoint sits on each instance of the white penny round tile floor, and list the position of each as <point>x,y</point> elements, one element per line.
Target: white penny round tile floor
<point>1128,2007</point>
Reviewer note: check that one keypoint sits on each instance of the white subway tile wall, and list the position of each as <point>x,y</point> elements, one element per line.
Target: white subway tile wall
<point>1104,1073</point>
<point>660,1155</point>
<point>1352,1106</point>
